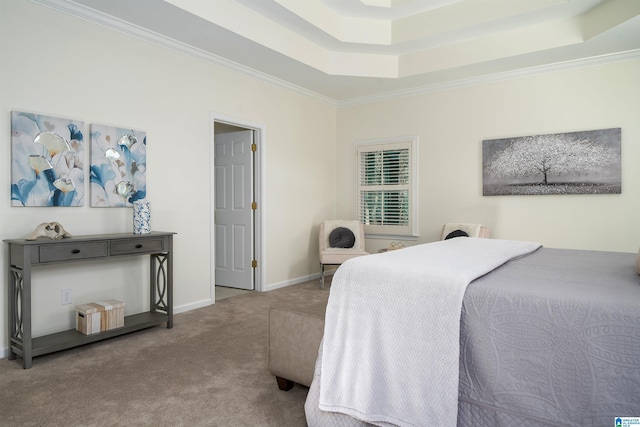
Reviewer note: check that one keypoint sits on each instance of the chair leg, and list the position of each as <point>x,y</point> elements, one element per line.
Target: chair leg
<point>321,276</point>
<point>284,384</point>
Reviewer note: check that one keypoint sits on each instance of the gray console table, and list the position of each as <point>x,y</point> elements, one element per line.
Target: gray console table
<point>27,254</point>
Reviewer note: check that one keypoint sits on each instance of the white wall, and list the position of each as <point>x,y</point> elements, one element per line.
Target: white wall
<point>451,125</point>
<point>58,65</point>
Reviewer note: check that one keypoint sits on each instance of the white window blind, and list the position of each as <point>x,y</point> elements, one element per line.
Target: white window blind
<point>386,187</point>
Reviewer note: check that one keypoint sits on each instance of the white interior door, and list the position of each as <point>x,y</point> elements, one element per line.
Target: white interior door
<point>233,212</point>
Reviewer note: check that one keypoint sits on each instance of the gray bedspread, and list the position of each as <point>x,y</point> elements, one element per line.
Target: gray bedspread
<point>552,338</point>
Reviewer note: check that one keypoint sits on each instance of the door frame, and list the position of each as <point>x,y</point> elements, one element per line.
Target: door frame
<point>259,138</point>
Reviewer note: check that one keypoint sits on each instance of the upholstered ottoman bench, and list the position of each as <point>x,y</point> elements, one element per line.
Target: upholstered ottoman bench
<point>295,333</point>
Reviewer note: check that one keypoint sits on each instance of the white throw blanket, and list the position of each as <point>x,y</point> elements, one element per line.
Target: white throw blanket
<point>392,327</point>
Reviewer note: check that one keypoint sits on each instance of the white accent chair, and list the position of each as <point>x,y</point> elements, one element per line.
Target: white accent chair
<point>458,229</point>
<point>337,255</point>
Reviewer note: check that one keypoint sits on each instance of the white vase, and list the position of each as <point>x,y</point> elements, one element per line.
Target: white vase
<point>141,217</point>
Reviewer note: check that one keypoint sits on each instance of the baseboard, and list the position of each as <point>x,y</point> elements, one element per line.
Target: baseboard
<point>274,286</point>
<point>192,306</point>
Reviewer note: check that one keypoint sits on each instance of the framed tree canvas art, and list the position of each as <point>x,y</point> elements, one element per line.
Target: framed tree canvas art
<point>118,166</point>
<point>47,160</point>
<point>565,163</point>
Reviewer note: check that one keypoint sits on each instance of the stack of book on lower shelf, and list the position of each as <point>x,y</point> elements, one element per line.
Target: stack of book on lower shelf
<point>99,316</point>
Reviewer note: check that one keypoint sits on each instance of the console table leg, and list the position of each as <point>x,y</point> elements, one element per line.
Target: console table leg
<point>27,360</point>
<point>13,293</point>
<point>170,285</point>
<point>25,318</point>
<point>153,267</point>
<point>20,314</point>
<point>161,291</point>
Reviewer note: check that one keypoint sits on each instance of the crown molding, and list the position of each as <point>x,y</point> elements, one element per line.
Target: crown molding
<point>630,55</point>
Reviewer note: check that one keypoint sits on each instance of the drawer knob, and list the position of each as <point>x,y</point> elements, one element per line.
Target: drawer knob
<point>138,246</point>
<point>75,251</point>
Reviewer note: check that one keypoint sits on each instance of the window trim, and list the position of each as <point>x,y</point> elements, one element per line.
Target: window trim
<point>391,231</point>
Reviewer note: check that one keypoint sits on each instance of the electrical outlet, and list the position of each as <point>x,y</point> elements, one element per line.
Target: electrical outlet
<point>65,296</point>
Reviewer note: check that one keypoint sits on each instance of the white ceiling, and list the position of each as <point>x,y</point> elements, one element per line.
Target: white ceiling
<point>353,50</point>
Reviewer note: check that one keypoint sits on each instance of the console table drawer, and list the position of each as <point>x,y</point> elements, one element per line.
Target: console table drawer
<point>136,246</point>
<point>66,252</point>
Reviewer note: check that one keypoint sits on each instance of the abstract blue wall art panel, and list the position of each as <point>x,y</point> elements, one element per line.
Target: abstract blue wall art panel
<point>118,166</point>
<point>47,160</point>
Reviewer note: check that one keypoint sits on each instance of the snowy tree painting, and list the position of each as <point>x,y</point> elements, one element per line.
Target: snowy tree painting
<point>565,163</point>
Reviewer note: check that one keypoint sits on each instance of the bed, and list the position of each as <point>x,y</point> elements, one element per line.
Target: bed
<point>546,337</point>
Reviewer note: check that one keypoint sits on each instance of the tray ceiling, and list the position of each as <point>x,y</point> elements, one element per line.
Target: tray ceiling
<point>348,50</point>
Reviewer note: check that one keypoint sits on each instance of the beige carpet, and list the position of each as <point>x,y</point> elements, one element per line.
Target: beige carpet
<point>209,370</point>
<point>223,292</point>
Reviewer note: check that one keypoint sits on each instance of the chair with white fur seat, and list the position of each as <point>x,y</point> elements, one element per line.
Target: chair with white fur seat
<point>339,241</point>
<point>459,229</point>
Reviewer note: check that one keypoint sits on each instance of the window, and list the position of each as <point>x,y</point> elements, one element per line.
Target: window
<point>386,186</point>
